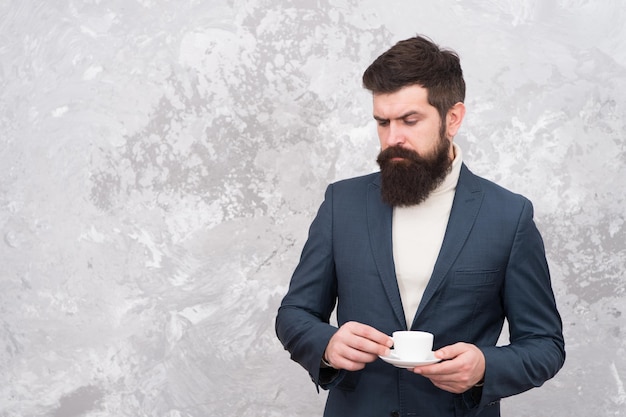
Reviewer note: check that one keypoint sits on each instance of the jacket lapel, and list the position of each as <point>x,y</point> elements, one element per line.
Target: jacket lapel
<point>379,218</point>
<point>465,207</point>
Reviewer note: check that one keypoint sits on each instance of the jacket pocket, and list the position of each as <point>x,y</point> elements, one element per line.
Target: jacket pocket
<point>476,278</point>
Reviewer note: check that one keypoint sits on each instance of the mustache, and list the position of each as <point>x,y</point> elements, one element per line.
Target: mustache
<point>398,152</point>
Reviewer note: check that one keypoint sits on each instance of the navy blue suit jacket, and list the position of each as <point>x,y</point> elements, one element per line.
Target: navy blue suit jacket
<point>491,266</point>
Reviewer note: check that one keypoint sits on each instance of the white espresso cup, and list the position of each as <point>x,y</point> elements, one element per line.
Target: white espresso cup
<point>412,345</point>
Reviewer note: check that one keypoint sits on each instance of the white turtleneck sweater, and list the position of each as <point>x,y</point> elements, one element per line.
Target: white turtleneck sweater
<point>417,233</point>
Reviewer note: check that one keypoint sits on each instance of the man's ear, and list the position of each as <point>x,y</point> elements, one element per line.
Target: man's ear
<point>454,118</point>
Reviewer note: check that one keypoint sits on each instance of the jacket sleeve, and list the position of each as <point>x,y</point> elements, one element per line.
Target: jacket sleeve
<point>302,322</point>
<point>536,350</point>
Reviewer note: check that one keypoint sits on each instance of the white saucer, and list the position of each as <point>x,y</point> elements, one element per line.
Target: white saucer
<point>400,363</point>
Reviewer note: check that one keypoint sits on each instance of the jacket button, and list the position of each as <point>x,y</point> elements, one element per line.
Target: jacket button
<point>395,414</point>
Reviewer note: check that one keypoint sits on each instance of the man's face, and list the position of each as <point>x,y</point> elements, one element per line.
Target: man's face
<point>406,119</point>
<point>416,153</point>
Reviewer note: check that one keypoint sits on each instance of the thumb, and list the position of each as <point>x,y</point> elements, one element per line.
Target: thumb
<point>450,351</point>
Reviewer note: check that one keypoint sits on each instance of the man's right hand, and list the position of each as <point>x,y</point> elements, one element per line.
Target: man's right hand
<point>356,344</point>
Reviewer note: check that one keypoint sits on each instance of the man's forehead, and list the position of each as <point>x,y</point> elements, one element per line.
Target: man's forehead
<point>409,100</point>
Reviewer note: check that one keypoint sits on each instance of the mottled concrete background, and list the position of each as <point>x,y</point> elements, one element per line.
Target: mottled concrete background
<point>161,162</point>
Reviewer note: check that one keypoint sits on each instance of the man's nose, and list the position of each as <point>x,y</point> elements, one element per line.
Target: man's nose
<point>395,135</point>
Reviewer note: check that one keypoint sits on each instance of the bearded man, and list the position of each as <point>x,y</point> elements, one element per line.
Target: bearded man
<point>424,244</point>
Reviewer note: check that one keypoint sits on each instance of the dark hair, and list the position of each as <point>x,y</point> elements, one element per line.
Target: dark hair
<point>419,61</point>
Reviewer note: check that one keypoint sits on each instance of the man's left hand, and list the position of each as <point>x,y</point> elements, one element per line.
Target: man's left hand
<point>463,367</point>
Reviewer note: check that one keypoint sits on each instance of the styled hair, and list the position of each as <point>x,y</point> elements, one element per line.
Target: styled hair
<point>419,61</point>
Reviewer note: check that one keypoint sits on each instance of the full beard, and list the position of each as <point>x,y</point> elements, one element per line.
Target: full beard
<point>411,180</point>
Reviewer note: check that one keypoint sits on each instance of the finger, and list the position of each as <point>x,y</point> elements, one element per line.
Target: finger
<point>436,370</point>
<point>343,363</point>
<point>451,351</point>
<point>352,359</point>
<point>370,333</point>
<point>452,382</point>
<point>453,388</point>
<point>458,383</point>
<point>368,346</point>
<point>356,355</point>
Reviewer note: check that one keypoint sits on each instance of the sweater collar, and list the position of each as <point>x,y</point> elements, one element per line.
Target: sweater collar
<point>449,183</point>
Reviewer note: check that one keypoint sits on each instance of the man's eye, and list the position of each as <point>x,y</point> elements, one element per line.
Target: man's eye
<point>410,122</point>
<point>383,123</point>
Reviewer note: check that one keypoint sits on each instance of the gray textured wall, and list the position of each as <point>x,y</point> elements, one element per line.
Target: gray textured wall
<point>161,162</point>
